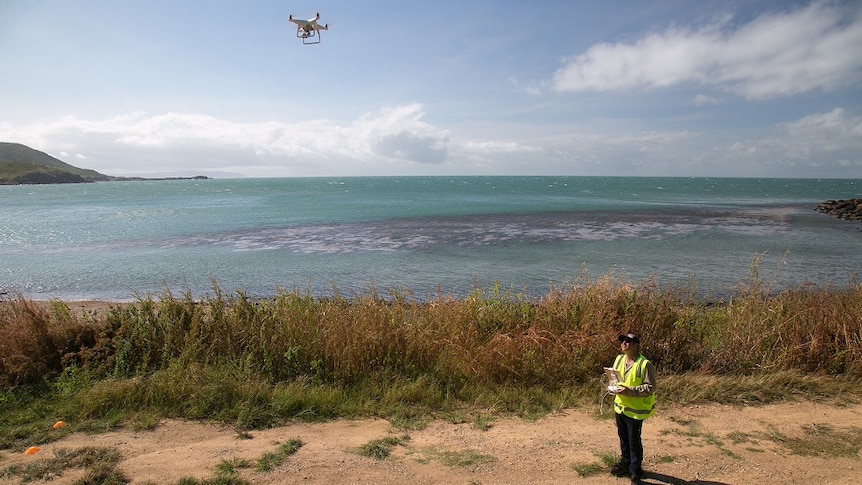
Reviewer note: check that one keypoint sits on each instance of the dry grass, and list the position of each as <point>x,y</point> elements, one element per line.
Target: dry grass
<point>38,341</point>
<point>492,337</point>
<point>487,337</point>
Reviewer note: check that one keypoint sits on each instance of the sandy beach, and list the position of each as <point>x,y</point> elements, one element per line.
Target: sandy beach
<point>793,442</point>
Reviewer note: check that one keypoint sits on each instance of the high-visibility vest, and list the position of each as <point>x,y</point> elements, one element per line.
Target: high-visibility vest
<point>633,407</point>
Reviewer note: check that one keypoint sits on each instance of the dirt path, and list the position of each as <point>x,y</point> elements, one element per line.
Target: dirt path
<point>795,442</point>
<point>799,442</point>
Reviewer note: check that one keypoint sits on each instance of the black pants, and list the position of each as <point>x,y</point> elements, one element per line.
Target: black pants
<point>631,448</point>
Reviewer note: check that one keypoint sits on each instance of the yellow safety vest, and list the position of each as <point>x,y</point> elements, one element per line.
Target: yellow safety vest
<point>633,407</point>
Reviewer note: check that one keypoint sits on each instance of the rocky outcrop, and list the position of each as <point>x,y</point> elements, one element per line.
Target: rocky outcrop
<point>850,209</point>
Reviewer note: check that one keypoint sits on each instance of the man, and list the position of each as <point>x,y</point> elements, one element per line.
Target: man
<point>634,402</point>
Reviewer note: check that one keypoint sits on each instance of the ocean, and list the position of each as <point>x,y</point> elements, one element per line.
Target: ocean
<point>118,241</point>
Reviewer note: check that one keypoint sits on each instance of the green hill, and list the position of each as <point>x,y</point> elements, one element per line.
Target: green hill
<point>20,164</point>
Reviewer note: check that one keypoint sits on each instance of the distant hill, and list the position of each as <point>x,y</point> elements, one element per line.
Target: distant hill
<point>20,164</point>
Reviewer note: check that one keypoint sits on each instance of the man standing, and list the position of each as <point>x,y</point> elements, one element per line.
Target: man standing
<point>634,402</point>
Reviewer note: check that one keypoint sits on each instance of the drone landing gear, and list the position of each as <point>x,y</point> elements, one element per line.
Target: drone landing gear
<point>306,35</point>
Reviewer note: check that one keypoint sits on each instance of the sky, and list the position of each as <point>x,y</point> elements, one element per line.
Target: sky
<point>222,88</point>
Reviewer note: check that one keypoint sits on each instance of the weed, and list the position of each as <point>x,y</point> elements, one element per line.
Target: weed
<point>451,458</point>
<point>219,480</point>
<point>483,422</point>
<point>99,463</point>
<point>227,473</point>
<point>729,453</point>
<point>821,440</point>
<point>226,468</point>
<point>682,421</point>
<point>589,469</point>
<point>272,459</point>
<point>608,458</point>
<point>145,421</point>
<point>464,458</point>
<point>738,437</point>
<point>695,432</point>
<point>380,449</point>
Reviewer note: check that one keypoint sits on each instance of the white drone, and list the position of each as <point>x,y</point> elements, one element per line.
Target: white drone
<point>308,29</point>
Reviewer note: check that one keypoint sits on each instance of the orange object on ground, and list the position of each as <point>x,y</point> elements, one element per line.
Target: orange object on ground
<point>32,450</point>
<point>59,424</point>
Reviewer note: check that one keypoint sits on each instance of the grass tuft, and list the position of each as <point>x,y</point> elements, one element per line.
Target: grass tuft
<point>273,459</point>
<point>464,458</point>
<point>589,469</point>
<point>380,449</point>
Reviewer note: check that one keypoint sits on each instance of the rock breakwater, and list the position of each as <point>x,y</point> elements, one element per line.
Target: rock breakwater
<point>849,209</point>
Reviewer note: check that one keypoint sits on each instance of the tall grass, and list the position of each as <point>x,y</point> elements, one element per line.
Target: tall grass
<point>487,337</point>
<point>38,341</point>
<point>254,361</point>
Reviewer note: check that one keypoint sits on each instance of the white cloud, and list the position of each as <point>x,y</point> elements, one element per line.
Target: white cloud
<point>704,100</point>
<point>485,154</point>
<point>777,54</point>
<point>490,147</point>
<point>397,141</point>
<point>819,145</point>
<point>831,141</point>
<point>398,135</point>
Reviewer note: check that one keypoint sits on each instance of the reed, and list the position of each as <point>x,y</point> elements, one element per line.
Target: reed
<point>255,361</point>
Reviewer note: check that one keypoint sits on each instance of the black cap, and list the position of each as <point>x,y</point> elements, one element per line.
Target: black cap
<point>630,337</point>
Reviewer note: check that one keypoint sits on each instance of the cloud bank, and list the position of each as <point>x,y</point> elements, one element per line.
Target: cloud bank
<point>141,143</point>
<point>397,141</point>
<point>774,55</point>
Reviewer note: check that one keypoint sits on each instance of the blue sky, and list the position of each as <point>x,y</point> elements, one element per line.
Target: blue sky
<point>475,87</point>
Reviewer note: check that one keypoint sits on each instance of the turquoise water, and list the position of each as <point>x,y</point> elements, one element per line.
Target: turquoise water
<point>120,239</point>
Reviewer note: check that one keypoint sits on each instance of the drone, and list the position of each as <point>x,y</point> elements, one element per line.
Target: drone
<point>308,30</point>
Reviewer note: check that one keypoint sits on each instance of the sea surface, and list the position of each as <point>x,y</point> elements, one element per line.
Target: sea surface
<point>118,241</point>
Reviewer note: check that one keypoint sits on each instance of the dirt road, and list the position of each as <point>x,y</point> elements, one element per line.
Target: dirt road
<point>796,442</point>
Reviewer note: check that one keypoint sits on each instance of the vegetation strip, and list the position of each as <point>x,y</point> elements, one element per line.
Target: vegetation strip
<point>255,363</point>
